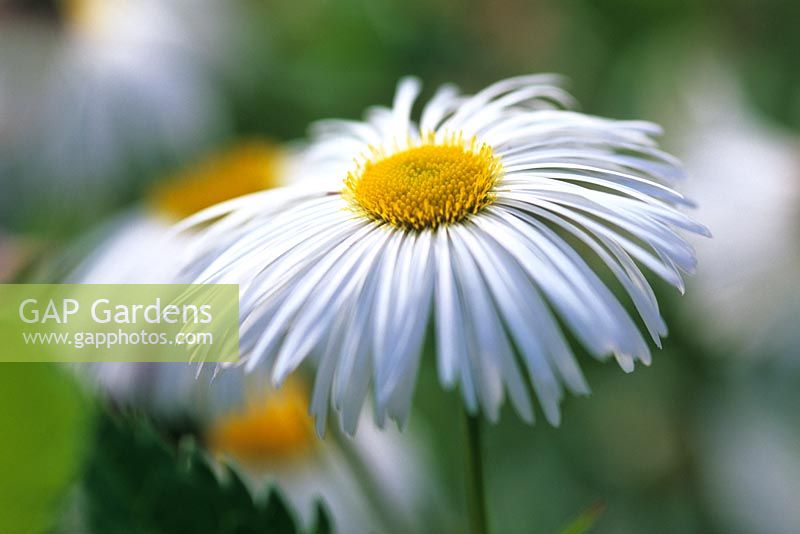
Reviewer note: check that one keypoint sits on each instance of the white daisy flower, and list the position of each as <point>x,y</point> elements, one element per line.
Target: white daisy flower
<point>132,247</point>
<point>270,437</point>
<point>109,86</point>
<point>472,222</point>
<point>267,433</point>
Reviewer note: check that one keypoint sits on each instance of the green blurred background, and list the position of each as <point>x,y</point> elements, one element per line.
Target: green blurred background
<point>705,440</point>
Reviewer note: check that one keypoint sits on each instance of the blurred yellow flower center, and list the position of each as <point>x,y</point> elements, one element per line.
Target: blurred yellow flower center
<point>427,185</point>
<point>247,168</point>
<point>92,17</point>
<point>272,428</point>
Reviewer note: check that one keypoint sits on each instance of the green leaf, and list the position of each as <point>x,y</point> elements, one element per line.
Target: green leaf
<point>44,418</point>
<point>136,483</point>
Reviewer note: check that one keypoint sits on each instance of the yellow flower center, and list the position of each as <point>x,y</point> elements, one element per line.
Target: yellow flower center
<point>247,168</point>
<point>91,17</point>
<point>426,185</point>
<point>271,428</point>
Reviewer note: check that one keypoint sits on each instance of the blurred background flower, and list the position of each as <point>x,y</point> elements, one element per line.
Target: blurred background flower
<point>104,93</point>
<point>747,164</point>
<point>137,245</point>
<point>703,441</point>
<point>378,482</point>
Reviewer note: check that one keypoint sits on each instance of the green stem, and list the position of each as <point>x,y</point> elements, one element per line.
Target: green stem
<point>476,493</point>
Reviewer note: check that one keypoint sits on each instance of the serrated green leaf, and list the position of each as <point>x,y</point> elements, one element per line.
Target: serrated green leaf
<point>276,514</point>
<point>136,483</point>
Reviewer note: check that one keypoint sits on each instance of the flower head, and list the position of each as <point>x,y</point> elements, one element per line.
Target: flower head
<point>132,247</point>
<point>139,79</point>
<point>246,167</point>
<point>268,427</point>
<point>267,436</point>
<point>475,220</point>
<point>425,186</point>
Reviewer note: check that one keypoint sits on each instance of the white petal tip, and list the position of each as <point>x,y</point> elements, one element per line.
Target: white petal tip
<point>551,410</point>
<point>525,413</point>
<point>553,418</point>
<point>626,362</point>
<point>278,378</point>
<point>410,80</point>
<point>581,389</point>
